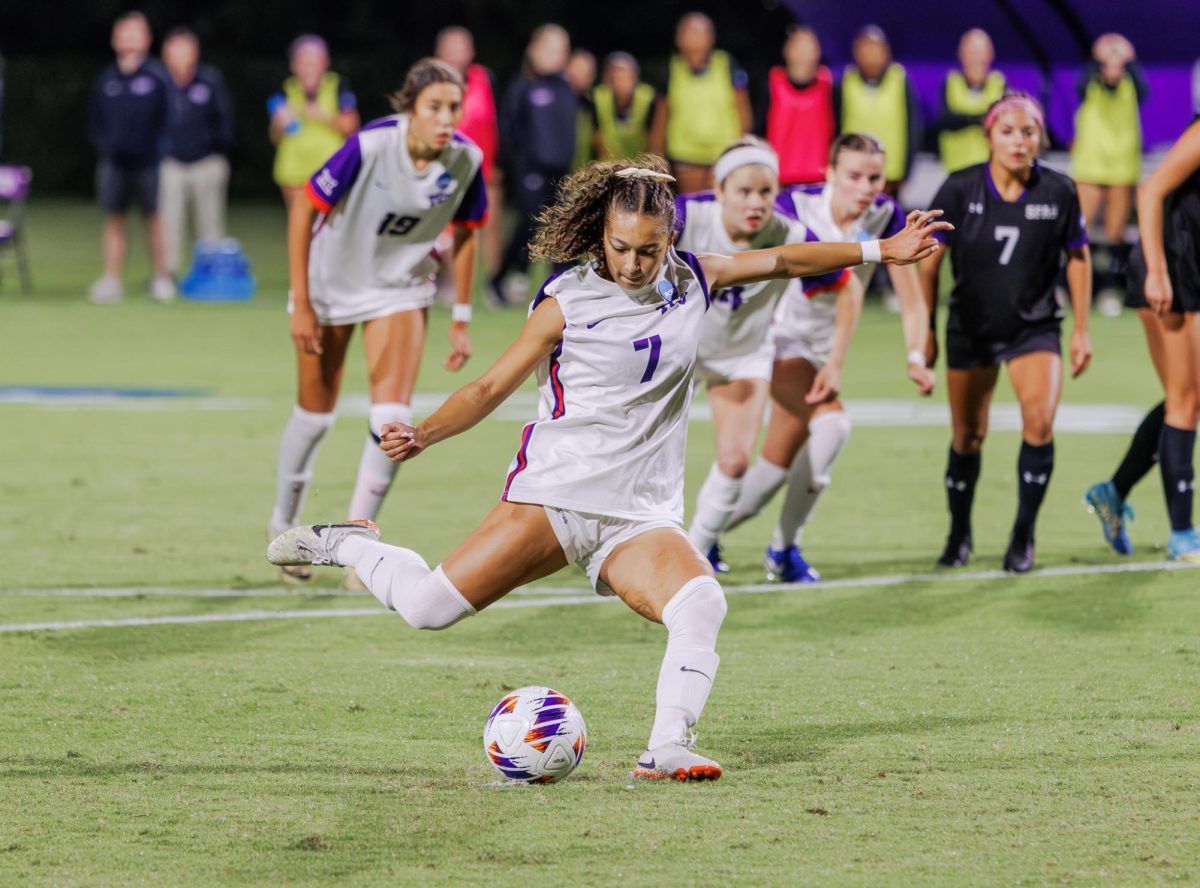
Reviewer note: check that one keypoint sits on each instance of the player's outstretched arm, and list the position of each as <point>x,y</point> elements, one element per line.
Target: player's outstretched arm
<point>471,403</point>
<point>914,242</point>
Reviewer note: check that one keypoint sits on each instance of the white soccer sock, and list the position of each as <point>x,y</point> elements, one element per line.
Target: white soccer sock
<point>759,485</point>
<point>297,452</point>
<point>809,475</point>
<point>375,470</point>
<point>693,618</point>
<point>717,498</point>
<point>403,582</point>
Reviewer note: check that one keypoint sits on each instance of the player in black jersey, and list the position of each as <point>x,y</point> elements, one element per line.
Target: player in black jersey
<point>1164,287</point>
<point>1013,221</point>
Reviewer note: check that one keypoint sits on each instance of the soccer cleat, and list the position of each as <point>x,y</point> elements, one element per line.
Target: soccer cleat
<point>1019,557</point>
<point>957,552</point>
<point>675,761</point>
<point>1103,502</point>
<point>1184,545</point>
<point>162,289</point>
<point>106,291</point>
<point>788,566</point>
<point>316,543</point>
<point>719,564</point>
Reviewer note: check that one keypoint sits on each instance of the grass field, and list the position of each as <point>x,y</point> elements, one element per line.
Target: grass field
<point>981,730</point>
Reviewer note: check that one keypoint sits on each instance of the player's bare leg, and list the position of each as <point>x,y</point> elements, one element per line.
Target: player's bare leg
<point>109,289</point>
<point>1181,352</point>
<point>1037,380</point>
<point>970,394</point>
<point>662,576</point>
<point>737,410</point>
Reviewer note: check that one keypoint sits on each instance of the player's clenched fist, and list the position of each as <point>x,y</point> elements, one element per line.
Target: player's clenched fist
<point>401,442</point>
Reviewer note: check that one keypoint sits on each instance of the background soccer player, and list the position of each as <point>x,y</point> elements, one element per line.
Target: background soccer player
<point>598,479</point>
<point>386,195</point>
<point>810,339</point>
<point>1013,220</point>
<point>1164,287</point>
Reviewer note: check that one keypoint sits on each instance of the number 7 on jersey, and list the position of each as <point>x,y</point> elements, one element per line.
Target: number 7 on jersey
<point>654,343</point>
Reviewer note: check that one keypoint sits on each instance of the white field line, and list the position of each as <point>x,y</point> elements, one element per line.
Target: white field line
<point>541,596</point>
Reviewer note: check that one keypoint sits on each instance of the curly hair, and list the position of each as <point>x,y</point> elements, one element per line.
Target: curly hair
<point>572,227</point>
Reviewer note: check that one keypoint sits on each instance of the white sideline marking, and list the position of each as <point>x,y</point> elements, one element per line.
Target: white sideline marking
<point>541,596</point>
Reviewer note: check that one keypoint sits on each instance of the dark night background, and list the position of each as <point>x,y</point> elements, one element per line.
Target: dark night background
<point>55,49</point>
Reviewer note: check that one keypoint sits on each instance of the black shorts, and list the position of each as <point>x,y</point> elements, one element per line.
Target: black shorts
<point>118,187</point>
<point>1185,285</point>
<point>966,352</point>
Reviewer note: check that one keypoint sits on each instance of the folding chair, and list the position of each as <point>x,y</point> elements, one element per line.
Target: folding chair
<point>14,188</point>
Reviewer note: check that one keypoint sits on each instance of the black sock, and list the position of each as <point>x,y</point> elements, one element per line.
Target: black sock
<point>1034,465</point>
<point>1143,451</point>
<point>962,471</point>
<point>1175,460</point>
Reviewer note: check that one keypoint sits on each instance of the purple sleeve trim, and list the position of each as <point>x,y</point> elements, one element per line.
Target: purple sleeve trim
<point>820,283</point>
<point>541,293</point>
<point>331,182</point>
<point>473,209</point>
<point>1076,243</point>
<point>347,101</point>
<point>694,264</point>
<point>896,223</point>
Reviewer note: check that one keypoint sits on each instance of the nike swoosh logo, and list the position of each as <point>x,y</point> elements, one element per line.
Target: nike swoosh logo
<point>596,323</point>
<point>649,764</point>
<point>317,528</point>
<point>697,671</point>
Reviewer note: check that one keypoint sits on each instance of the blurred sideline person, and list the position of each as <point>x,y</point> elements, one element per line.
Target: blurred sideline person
<point>967,93</point>
<point>127,119</point>
<point>195,172</point>
<point>598,478</point>
<point>311,118</point>
<point>581,74</point>
<point>1106,157</point>
<point>877,97</point>
<point>800,120</point>
<point>384,197</point>
<point>456,47</point>
<point>703,107</point>
<point>1164,289</point>
<point>622,105</point>
<point>537,147</point>
<point>1014,220</point>
<point>810,339</point>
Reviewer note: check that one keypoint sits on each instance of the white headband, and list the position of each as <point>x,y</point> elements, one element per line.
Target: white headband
<point>643,173</point>
<point>744,155</point>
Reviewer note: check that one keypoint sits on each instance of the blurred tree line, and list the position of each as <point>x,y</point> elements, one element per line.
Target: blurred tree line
<point>55,48</point>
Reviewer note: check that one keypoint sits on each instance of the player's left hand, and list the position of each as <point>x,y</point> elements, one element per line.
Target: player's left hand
<point>1081,352</point>
<point>923,377</point>
<point>915,241</point>
<point>401,442</point>
<point>460,346</point>
<point>826,385</point>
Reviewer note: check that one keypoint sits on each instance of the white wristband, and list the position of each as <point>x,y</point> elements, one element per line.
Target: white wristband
<point>916,357</point>
<point>461,312</point>
<point>871,252</point>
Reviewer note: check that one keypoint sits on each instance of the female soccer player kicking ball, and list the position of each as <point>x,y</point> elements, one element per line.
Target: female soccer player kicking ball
<point>1014,219</point>
<point>809,341</point>
<point>1164,279</point>
<point>598,478</point>
<point>385,196</point>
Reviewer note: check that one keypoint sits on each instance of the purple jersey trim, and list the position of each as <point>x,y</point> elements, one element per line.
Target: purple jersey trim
<point>556,386</point>
<point>819,283</point>
<point>473,209</point>
<point>541,293</point>
<point>681,202</point>
<point>895,224</point>
<point>522,459</point>
<point>330,183</point>
<point>694,264</point>
<point>383,123</point>
<point>991,183</point>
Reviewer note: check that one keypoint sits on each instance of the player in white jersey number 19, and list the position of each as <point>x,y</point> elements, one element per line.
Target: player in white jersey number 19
<point>384,197</point>
<point>598,479</point>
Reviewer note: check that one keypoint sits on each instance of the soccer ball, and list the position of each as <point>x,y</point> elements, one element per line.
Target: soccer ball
<point>534,735</point>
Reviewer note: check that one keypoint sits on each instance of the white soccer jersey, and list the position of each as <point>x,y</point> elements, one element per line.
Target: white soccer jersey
<point>740,316</point>
<point>370,254</point>
<point>812,319</point>
<point>612,418</point>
